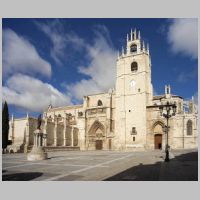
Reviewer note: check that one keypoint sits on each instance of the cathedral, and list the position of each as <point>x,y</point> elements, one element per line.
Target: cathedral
<point>126,118</point>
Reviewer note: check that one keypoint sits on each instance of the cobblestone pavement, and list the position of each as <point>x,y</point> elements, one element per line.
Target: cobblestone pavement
<point>102,165</point>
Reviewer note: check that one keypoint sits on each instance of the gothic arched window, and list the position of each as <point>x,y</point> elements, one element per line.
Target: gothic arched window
<point>134,66</point>
<point>133,48</point>
<point>99,103</point>
<point>189,127</point>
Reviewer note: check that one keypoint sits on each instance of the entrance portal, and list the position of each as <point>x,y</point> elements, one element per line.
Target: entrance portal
<point>99,145</point>
<point>158,141</point>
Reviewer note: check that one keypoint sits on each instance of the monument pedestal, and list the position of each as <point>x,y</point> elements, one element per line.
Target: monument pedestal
<point>37,152</point>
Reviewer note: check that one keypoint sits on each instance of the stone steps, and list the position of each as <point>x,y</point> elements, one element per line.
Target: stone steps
<point>57,148</point>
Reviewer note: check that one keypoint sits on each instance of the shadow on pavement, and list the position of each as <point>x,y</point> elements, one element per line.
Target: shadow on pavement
<point>21,176</point>
<point>181,168</point>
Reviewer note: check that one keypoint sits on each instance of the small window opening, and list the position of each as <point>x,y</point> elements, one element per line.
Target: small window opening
<point>134,66</point>
<point>99,103</point>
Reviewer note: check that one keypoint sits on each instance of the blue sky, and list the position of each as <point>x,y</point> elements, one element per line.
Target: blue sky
<point>60,60</point>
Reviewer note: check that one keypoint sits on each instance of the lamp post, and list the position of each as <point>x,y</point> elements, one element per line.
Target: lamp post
<point>167,110</point>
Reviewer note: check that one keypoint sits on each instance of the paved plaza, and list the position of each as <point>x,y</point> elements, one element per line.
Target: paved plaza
<point>102,165</point>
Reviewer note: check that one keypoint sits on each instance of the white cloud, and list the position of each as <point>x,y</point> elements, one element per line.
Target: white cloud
<point>82,88</point>
<point>99,53</point>
<point>187,76</point>
<point>60,40</point>
<point>20,56</point>
<point>51,30</point>
<point>101,69</point>
<point>183,36</point>
<point>32,94</point>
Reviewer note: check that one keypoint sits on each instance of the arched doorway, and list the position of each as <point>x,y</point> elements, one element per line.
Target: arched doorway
<point>96,136</point>
<point>158,141</point>
<point>158,135</point>
<point>99,142</point>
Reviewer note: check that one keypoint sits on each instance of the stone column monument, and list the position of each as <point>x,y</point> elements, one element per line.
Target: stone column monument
<point>37,152</point>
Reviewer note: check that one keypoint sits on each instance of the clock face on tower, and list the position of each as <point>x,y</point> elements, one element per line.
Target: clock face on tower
<point>132,84</point>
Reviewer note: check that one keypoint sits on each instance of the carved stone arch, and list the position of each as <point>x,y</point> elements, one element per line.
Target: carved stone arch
<point>96,127</point>
<point>156,124</point>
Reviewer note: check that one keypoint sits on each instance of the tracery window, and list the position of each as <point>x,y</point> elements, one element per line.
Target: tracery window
<point>189,127</point>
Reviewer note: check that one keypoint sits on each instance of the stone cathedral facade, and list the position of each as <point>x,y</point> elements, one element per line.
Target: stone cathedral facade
<point>125,118</point>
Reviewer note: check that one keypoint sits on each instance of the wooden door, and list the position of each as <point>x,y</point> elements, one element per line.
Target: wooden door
<point>99,145</point>
<point>158,141</point>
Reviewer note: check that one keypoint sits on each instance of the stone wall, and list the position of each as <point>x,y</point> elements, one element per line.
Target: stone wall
<point>32,128</point>
<point>99,118</point>
<point>60,135</point>
<point>68,136</point>
<point>178,138</point>
<point>50,133</point>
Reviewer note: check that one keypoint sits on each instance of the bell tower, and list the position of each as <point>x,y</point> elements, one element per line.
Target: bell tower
<point>133,93</point>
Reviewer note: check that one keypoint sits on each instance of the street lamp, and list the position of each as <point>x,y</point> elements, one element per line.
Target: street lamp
<point>167,110</point>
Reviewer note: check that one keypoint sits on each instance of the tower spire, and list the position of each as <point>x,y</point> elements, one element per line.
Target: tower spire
<point>139,35</point>
<point>135,34</point>
<point>167,90</point>
<point>12,118</point>
<point>131,35</point>
<point>127,38</point>
<point>143,46</point>
<point>148,48</point>
<point>122,51</point>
